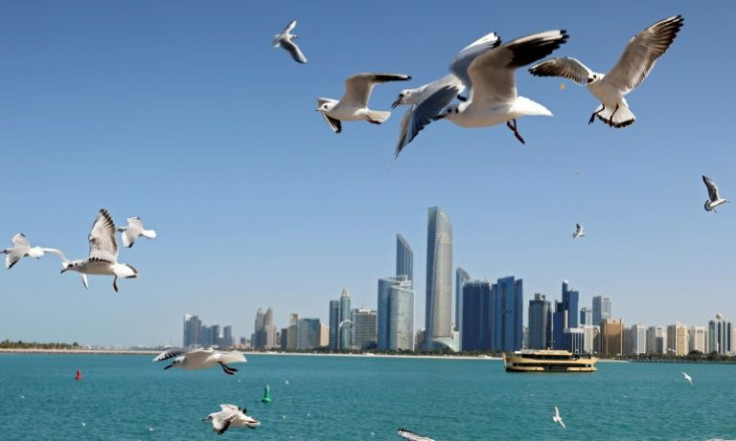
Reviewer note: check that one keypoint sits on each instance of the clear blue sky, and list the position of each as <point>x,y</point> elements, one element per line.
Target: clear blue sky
<point>182,113</point>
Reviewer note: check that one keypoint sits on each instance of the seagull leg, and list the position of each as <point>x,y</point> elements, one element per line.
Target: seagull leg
<point>513,129</point>
<point>596,113</point>
<point>614,112</point>
<point>373,121</point>
<point>115,283</point>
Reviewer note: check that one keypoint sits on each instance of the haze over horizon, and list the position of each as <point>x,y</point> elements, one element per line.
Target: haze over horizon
<point>183,114</point>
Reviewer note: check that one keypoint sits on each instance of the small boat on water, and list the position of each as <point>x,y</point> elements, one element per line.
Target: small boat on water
<point>547,360</point>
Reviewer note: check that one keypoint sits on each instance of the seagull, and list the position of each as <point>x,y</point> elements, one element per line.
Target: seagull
<point>408,434</point>
<point>21,248</point>
<point>578,231</point>
<point>103,254</point>
<point>133,230</point>
<point>425,103</point>
<point>230,416</point>
<point>201,359</point>
<point>713,200</point>
<point>632,68</point>
<point>688,378</point>
<point>353,106</point>
<point>557,418</point>
<point>285,40</point>
<point>490,74</point>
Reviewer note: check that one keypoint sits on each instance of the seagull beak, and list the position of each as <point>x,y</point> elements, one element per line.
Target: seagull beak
<point>438,117</point>
<point>396,103</point>
<point>64,270</point>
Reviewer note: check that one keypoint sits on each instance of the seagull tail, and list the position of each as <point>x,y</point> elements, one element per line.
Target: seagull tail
<point>622,115</point>
<point>378,116</point>
<point>151,234</point>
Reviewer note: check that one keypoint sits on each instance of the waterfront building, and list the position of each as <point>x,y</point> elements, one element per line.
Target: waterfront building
<point>324,335</point>
<point>461,278</point>
<point>570,301</point>
<point>404,258</point>
<point>309,331</point>
<point>601,309</point>
<point>591,338</point>
<point>345,326</point>
<point>227,337</point>
<point>612,337</point>
<point>364,328</point>
<point>575,340</point>
<point>656,340</point>
<point>698,338</point>
<point>586,315</point>
<point>438,316</point>
<point>291,335</point>
<point>475,334</point>
<point>540,323</point>
<point>507,314</point>
<point>395,315</point>
<point>334,323</point>
<point>720,335</point>
<point>192,331</point>
<point>637,341</point>
<point>677,339</point>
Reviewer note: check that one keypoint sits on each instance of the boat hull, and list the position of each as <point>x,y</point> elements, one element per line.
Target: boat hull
<point>548,361</point>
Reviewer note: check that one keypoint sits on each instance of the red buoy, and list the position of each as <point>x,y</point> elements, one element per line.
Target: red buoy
<point>79,375</point>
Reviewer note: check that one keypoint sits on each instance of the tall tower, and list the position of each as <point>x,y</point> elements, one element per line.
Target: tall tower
<point>540,323</point>
<point>461,278</point>
<point>395,322</point>
<point>570,300</point>
<point>334,323</point>
<point>438,317</point>
<point>507,314</point>
<point>404,258</point>
<point>345,325</point>
<point>601,309</point>
<point>476,331</point>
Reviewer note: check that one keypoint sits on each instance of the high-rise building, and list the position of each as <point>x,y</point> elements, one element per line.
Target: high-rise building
<point>395,315</point>
<point>404,258</point>
<point>309,331</point>
<point>345,326</point>
<point>656,340</point>
<point>227,337</point>
<point>270,329</point>
<point>461,277</point>
<point>698,339</point>
<point>540,323</point>
<point>507,314</point>
<point>324,335</point>
<point>192,331</point>
<point>438,317</point>
<point>364,328</point>
<point>570,301</point>
<point>720,335</point>
<point>575,340</point>
<point>586,316</point>
<point>334,323</point>
<point>475,335</point>
<point>559,323</point>
<point>677,339</point>
<point>258,341</point>
<point>291,335</point>
<point>637,340</point>
<point>591,338</point>
<point>612,337</point>
<point>601,309</point>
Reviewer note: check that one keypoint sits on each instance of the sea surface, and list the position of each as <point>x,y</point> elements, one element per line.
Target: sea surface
<point>127,397</point>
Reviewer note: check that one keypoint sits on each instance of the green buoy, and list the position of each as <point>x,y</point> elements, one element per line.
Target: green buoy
<point>266,395</point>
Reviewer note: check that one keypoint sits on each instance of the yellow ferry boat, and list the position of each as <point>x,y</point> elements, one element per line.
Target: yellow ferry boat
<point>546,360</point>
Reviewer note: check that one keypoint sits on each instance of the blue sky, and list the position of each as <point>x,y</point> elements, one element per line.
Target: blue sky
<point>182,113</point>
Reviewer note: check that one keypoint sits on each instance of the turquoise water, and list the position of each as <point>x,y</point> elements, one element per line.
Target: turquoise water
<point>360,398</point>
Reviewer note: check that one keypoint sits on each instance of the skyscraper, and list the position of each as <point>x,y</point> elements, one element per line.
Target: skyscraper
<point>656,340</point>
<point>570,300</point>
<point>507,297</point>
<point>559,323</point>
<point>612,337</point>
<point>475,334</point>
<point>309,331</point>
<point>258,341</point>
<point>395,315</point>
<point>586,316</point>
<point>677,339</point>
<point>720,334</point>
<point>698,339</point>
<point>270,329</point>
<point>637,340</point>
<point>345,326</point>
<point>601,309</point>
<point>461,278</point>
<point>540,323</point>
<point>334,323</point>
<point>404,258</point>
<point>438,317</point>
<point>364,328</point>
<point>192,331</point>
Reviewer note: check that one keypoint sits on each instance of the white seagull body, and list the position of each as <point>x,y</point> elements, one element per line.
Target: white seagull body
<point>490,74</point>
<point>231,416</point>
<point>408,434</point>
<point>578,231</point>
<point>353,106</point>
<point>425,103</point>
<point>688,378</point>
<point>632,68</point>
<point>21,248</point>
<point>557,418</point>
<point>286,40</point>
<point>201,359</point>
<point>133,230</point>
<point>714,199</point>
<point>103,254</point>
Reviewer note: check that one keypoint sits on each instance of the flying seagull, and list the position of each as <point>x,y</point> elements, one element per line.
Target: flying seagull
<point>133,230</point>
<point>578,231</point>
<point>201,359</point>
<point>103,254</point>
<point>425,103</point>
<point>688,378</point>
<point>230,416</point>
<point>21,248</point>
<point>714,199</point>
<point>490,74</point>
<point>286,40</point>
<point>408,434</point>
<point>557,418</point>
<point>631,69</point>
<point>353,106</point>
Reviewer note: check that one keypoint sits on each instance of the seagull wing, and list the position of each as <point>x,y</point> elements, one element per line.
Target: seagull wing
<point>221,421</point>
<point>566,67</point>
<point>294,50</point>
<point>459,66</point>
<point>408,434</point>
<point>421,114</point>
<point>493,72</point>
<point>557,413</point>
<point>20,249</point>
<point>102,243</point>
<point>642,53</point>
<point>562,423</point>
<point>290,27</point>
<point>712,189</point>
<point>231,357</point>
<point>20,241</point>
<point>170,353</point>
<point>358,88</point>
<point>57,253</point>
<point>230,408</point>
